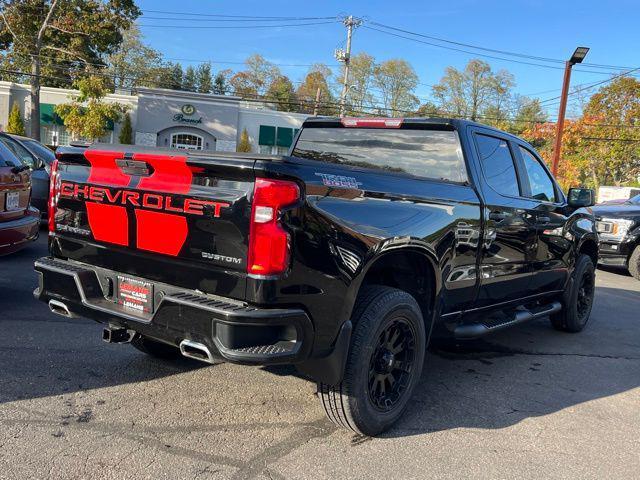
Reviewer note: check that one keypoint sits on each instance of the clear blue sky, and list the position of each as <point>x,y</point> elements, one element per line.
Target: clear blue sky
<point>535,27</point>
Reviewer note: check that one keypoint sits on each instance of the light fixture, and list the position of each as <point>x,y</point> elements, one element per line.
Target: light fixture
<point>578,55</point>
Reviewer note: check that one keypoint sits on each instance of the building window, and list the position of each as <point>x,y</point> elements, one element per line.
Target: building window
<point>275,140</point>
<point>186,141</point>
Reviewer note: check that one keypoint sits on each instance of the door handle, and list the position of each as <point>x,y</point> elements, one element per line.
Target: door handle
<point>497,216</point>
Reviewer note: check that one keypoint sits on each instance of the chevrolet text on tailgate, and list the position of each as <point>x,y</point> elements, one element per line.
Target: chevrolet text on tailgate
<point>345,258</point>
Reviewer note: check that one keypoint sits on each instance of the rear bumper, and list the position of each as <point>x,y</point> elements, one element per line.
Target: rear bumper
<point>232,331</point>
<point>16,234</point>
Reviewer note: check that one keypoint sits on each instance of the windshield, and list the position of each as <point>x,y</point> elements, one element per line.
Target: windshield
<point>434,154</point>
<point>635,199</point>
<point>41,151</point>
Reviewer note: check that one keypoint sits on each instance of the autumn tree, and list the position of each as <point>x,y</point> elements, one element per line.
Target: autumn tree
<point>397,80</point>
<point>203,78</point>
<point>317,78</point>
<point>260,72</point>
<point>243,86</point>
<point>55,38</point>
<point>613,116</point>
<point>88,115</point>
<point>15,124</point>
<point>282,92</point>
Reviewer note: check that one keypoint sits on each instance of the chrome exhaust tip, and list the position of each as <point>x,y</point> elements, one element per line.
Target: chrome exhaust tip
<point>196,351</point>
<point>60,308</point>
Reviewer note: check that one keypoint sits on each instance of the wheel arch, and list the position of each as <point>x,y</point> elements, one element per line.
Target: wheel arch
<point>589,246</point>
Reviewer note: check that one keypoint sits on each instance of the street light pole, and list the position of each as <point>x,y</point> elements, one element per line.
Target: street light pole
<point>577,57</point>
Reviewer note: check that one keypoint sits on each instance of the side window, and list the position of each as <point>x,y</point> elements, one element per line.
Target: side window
<point>539,181</point>
<point>497,165</point>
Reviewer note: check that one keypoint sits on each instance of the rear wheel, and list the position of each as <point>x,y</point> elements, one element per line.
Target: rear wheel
<point>384,362</point>
<point>578,300</point>
<point>155,348</point>
<point>634,263</point>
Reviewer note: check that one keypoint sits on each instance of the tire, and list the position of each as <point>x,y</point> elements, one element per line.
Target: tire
<point>387,348</point>
<point>634,263</point>
<point>578,299</point>
<point>154,348</point>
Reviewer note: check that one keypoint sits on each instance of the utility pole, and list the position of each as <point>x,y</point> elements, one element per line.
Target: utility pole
<point>317,103</point>
<point>345,56</point>
<point>577,57</point>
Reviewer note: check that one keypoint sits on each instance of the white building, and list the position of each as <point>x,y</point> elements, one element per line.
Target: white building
<point>168,118</point>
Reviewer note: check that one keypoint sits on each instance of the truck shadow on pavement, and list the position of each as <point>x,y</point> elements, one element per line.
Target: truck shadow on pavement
<point>525,372</point>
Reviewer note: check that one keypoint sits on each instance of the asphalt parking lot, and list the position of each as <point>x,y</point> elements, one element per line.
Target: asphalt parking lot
<point>527,403</point>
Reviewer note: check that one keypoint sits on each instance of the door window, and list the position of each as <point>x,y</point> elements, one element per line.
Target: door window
<point>497,164</point>
<point>540,183</point>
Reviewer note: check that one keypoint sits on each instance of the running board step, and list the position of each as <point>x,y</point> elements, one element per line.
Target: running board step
<point>495,323</point>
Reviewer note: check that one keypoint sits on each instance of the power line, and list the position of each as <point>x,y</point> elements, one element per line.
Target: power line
<point>275,19</point>
<point>623,74</point>
<point>476,53</point>
<point>199,14</point>
<point>199,27</point>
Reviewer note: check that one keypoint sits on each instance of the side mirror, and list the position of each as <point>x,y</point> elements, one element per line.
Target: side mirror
<point>40,164</point>
<point>581,197</point>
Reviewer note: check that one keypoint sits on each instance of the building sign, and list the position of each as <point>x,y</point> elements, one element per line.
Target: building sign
<point>187,110</point>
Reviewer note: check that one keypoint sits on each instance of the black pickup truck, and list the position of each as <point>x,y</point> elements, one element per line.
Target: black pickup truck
<point>619,227</point>
<point>344,258</point>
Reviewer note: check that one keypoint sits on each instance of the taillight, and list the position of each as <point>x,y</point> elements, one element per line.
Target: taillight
<point>269,243</point>
<point>53,196</point>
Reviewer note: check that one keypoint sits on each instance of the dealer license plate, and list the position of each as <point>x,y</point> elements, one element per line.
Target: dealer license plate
<point>135,295</point>
<point>13,201</point>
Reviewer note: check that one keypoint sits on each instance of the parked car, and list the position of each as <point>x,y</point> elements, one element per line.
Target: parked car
<point>39,159</point>
<point>619,228</point>
<point>19,222</point>
<point>344,258</point>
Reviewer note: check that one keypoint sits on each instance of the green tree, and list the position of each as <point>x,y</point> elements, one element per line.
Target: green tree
<point>15,124</point>
<point>260,72</point>
<point>281,91</point>
<point>528,112</point>
<point>474,92</point>
<point>221,82</point>
<point>126,132</point>
<point>134,63</point>
<point>87,115</point>
<point>203,77</point>
<point>190,81</point>
<point>397,80</point>
<point>244,145</point>
<point>428,109</point>
<point>43,36</point>
<point>361,71</point>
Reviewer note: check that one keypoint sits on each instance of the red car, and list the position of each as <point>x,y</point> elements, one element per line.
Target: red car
<point>19,222</point>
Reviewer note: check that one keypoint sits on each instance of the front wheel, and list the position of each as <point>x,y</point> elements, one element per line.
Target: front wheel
<point>384,362</point>
<point>634,263</point>
<point>578,300</point>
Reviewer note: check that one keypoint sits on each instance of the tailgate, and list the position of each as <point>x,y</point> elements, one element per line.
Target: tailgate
<point>174,217</point>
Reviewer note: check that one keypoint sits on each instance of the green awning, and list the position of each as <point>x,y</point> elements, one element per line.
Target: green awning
<point>267,135</point>
<point>284,137</point>
<point>48,116</point>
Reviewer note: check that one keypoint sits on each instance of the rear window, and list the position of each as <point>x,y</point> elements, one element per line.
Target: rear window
<point>46,154</point>
<point>8,158</point>
<point>424,153</point>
